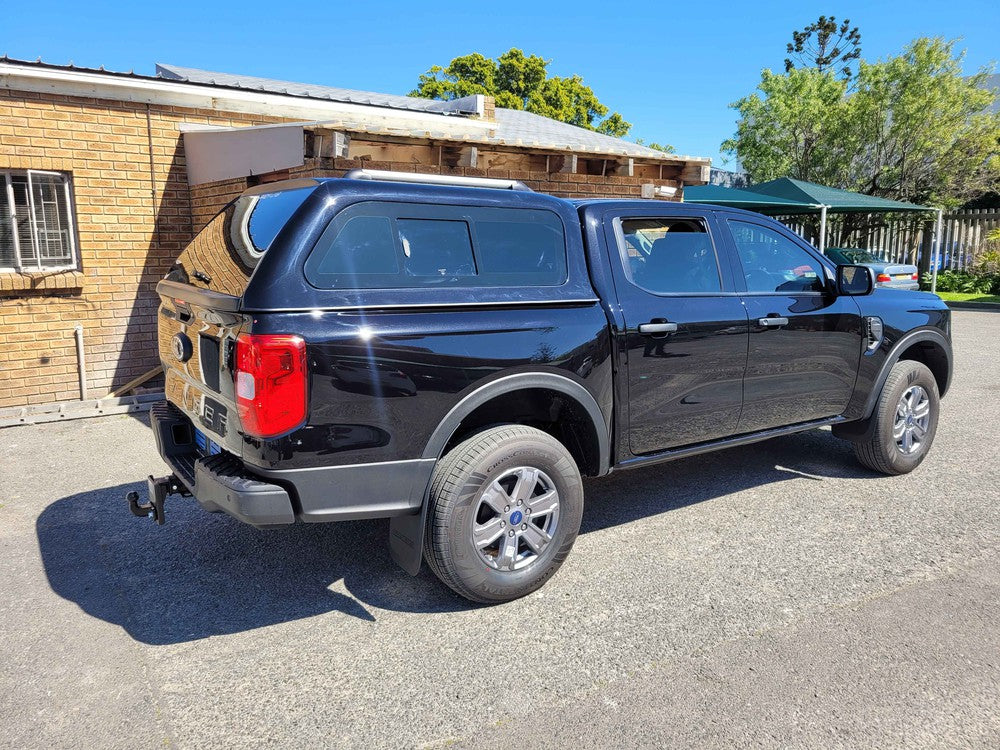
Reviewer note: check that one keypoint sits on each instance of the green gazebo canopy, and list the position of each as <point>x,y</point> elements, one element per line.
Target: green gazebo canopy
<point>751,201</point>
<point>789,196</point>
<point>836,201</point>
<point>786,196</point>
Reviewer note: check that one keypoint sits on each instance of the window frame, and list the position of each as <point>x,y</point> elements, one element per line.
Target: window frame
<point>703,219</point>
<point>67,194</point>
<point>782,231</point>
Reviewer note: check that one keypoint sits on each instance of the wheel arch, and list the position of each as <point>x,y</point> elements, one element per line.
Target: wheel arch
<point>406,533</point>
<point>926,345</point>
<point>579,398</point>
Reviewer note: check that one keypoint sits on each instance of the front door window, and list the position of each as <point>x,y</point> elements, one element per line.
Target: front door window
<point>773,263</point>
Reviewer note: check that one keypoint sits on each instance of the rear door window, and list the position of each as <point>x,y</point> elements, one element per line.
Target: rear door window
<point>375,245</point>
<point>670,256</point>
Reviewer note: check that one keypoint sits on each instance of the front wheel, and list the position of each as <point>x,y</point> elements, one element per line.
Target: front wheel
<point>906,418</point>
<point>505,509</point>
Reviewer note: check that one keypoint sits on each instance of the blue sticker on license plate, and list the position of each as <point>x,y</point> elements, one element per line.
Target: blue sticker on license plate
<point>205,445</point>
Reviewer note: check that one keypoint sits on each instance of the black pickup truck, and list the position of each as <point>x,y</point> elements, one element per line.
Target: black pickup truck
<point>455,353</point>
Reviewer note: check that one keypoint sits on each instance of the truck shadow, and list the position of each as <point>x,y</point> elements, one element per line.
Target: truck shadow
<point>206,574</point>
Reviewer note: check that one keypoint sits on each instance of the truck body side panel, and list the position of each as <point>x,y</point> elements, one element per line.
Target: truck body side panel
<point>381,382</point>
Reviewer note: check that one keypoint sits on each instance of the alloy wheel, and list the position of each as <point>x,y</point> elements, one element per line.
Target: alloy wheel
<point>516,518</point>
<point>913,415</point>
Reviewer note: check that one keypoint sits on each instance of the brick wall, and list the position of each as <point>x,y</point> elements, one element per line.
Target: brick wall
<point>133,215</point>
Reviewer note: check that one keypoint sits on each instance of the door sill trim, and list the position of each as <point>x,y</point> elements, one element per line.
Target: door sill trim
<point>730,442</point>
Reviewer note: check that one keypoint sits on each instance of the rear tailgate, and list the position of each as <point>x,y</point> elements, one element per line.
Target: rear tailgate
<point>200,298</point>
<point>196,335</point>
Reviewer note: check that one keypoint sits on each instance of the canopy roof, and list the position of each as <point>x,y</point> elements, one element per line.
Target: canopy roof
<point>751,201</point>
<point>787,196</point>
<point>836,201</point>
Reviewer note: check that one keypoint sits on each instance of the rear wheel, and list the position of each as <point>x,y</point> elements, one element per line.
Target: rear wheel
<point>906,417</point>
<point>505,509</point>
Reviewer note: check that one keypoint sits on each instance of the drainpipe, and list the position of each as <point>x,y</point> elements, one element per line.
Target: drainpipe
<point>81,362</point>
<point>937,250</point>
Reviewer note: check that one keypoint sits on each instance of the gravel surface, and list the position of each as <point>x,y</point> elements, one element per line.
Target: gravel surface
<point>775,595</point>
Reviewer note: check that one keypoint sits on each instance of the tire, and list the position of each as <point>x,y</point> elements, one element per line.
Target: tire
<point>475,490</point>
<point>889,453</point>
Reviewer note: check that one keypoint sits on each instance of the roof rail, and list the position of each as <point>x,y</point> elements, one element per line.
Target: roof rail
<point>435,179</point>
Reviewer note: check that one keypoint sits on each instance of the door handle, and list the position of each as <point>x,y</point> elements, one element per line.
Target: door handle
<point>772,322</point>
<point>649,328</point>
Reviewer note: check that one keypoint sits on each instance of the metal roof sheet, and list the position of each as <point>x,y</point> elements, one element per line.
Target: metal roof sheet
<point>308,90</point>
<point>512,128</point>
<point>517,127</point>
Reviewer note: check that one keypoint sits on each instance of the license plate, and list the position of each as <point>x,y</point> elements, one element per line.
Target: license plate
<point>213,415</point>
<point>206,445</point>
<point>901,277</point>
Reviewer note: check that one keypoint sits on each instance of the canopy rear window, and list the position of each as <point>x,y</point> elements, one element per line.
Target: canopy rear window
<point>224,254</point>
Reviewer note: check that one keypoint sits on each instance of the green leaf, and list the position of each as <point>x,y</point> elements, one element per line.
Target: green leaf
<point>912,127</point>
<point>519,81</point>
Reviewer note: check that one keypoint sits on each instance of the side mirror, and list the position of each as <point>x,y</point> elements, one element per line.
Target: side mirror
<point>855,281</point>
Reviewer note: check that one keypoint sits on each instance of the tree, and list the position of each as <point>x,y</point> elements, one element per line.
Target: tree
<point>924,130</point>
<point>788,128</point>
<point>913,129</point>
<point>823,45</point>
<point>519,81</point>
<point>665,147</point>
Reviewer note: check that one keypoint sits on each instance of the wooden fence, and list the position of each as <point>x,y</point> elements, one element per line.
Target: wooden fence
<point>904,239</point>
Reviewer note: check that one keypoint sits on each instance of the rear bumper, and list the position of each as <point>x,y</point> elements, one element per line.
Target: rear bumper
<point>270,497</point>
<point>219,482</point>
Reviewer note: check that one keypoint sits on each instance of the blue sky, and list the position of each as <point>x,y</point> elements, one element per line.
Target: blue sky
<point>671,68</point>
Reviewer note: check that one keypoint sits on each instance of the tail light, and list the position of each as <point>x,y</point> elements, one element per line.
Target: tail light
<point>883,277</point>
<point>915,277</point>
<point>270,383</point>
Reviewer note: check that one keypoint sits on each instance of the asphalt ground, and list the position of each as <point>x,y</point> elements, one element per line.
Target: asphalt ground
<point>773,595</point>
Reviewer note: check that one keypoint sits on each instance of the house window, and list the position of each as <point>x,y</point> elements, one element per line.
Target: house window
<point>36,221</point>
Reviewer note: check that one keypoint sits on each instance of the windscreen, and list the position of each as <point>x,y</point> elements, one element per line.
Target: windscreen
<point>224,254</point>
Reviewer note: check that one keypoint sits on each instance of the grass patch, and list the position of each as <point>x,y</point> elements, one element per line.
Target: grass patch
<point>968,297</point>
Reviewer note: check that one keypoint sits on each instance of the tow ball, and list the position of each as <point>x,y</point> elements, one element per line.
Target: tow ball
<point>159,488</point>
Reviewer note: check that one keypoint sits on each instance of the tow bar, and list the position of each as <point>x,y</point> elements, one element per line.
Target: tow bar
<point>159,488</point>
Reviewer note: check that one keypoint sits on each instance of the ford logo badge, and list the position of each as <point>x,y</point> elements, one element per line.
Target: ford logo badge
<point>181,346</point>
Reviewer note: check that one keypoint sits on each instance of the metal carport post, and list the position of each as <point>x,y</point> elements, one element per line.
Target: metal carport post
<point>822,228</point>
<point>936,256</point>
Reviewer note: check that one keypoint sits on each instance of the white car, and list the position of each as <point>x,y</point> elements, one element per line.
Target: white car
<point>887,274</point>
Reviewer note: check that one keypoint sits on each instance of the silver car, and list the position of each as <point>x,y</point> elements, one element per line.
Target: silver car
<point>887,274</point>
